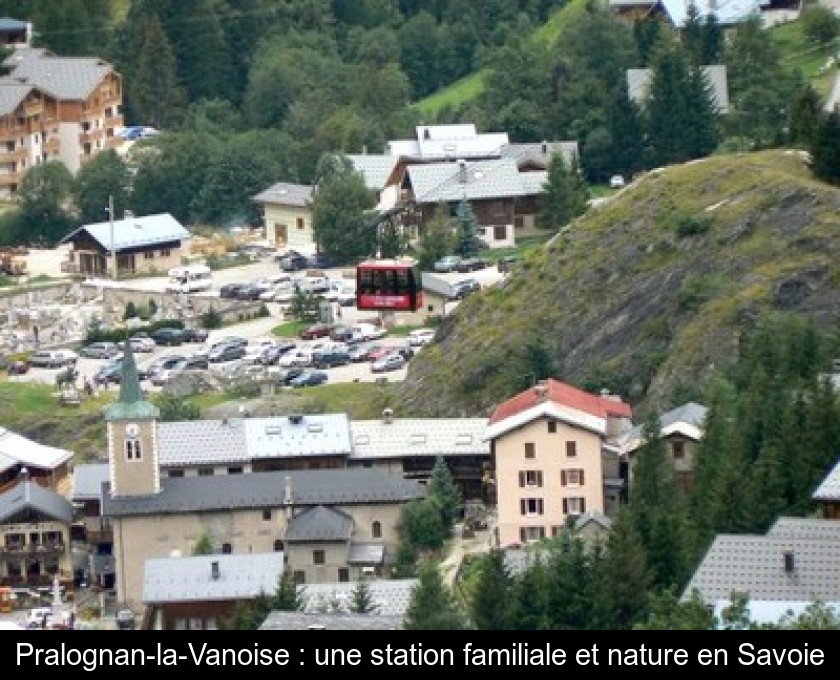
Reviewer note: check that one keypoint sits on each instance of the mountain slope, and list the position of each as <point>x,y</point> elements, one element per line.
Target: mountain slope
<point>647,291</point>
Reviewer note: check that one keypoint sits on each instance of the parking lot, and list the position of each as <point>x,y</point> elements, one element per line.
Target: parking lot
<point>256,329</point>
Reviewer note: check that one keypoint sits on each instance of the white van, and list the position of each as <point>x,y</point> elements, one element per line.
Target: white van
<point>421,336</point>
<point>38,617</point>
<point>189,279</point>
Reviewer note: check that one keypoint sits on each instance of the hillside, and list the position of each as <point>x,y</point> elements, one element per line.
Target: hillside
<point>646,292</point>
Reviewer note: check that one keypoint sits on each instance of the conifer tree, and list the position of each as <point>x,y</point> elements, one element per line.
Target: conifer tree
<point>362,599</point>
<point>289,597</point>
<point>564,195</point>
<point>825,149</point>
<point>432,605</point>
<point>468,229</point>
<point>625,579</point>
<point>491,607</point>
<point>442,488</point>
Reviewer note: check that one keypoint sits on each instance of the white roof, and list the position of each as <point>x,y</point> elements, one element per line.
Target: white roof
<point>391,597</point>
<point>687,420</point>
<point>727,12</point>
<point>418,437</point>
<point>548,409</point>
<point>449,141</point>
<point>191,579</point>
<point>18,450</point>
<point>135,232</point>
<point>770,611</point>
<point>829,489</point>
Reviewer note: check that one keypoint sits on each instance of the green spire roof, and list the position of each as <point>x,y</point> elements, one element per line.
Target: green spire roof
<point>132,402</point>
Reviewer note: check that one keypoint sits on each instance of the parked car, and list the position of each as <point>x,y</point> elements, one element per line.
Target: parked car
<point>170,337</point>
<point>231,290</point>
<point>309,378</point>
<point>225,353</point>
<point>195,363</point>
<point>109,373</point>
<point>286,376</point>
<point>421,336</point>
<point>301,356</point>
<point>360,352</point>
<point>272,354</point>
<point>472,264</point>
<point>163,363</point>
<point>390,362</point>
<point>293,262</point>
<point>616,182</point>
<point>142,343</point>
<point>250,291</point>
<point>18,368</point>
<point>316,330</point>
<point>229,340</point>
<point>320,261</point>
<point>378,353</point>
<point>100,350</point>
<point>505,263</point>
<point>462,288</point>
<point>52,358</point>
<point>330,358</point>
<point>447,264</point>
<point>195,335</point>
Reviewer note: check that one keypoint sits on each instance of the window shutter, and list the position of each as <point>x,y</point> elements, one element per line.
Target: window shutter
<point>540,506</point>
<point>523,506</point>
<point>523,535</point>
<point>521,479</point>
<point>581,477</point>
<point>565,506</point>
<point>542,532</point>
<point>539,478</point>
<point>563,477</point>
<point>582,504</point>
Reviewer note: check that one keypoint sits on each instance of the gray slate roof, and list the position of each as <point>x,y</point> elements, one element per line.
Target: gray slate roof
<point>593,516</point>
<point>12,93</point>
<point>190,579</point>
<point>375,168</point>
<point>278,620</point>
<point>541,154</point>
<point>29,495</point>
<point>283,193</point>
<point>755,565</point>
<point>829,488</point>
<point>266,490</point>
<point>134,232</point>
<point>418,437</point>
<point>690,413</point>
<point>485,179</point>
<point>806,527</point>
<point>88,479</point>
<point>207,442</point>
<point>70,78</point>
<point>391,597</point>
<point>319,524</point>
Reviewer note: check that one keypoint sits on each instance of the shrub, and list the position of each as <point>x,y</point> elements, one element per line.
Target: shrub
<point>211,319</point>
<point>130,311</point>
<point>691,225</point>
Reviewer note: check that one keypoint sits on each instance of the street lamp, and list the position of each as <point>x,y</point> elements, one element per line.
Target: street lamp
<point>113,254</point>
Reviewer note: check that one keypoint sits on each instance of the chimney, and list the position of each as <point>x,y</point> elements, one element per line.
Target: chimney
<point>128,214</point>
<point>541,390</point>
<point>287,497</point>
<point>388,416</point>
<point>462,171</point>
<point>789,561</point>
<point>214,570</point>
<point>544,148</point>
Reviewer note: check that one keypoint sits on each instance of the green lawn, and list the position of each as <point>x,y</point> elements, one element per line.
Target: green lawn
<point>800,54</point>
<point>290,329</point>
<point>463,90</point>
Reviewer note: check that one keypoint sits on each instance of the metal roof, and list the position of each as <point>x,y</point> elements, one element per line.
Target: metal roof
<point>9,24</point>
<point>12,93</point>
<point>282,193</point>
<point>375,168</point>
<point>688,420</point>
<point>593,516</point>
<point>29,495</point>
<point>207,442</point>
<point>132,403</point>
<point>470,180</point>
<point>755,565</point>
<point>418,437</point>
<point>770,612</point>
<point>278,620</point>
<point>18,450</point>
<point>542,153</point>
<point>191,579</point>
<point>391,597</point>
<point>366,552</point>
<point>319,524</point>
<point>69,78</point>
<point>829,488</point>
<point>806,527</point>
<point>266,489</point>
<point>449,141</point>
<point>88,479</point>
<point>134,232</point>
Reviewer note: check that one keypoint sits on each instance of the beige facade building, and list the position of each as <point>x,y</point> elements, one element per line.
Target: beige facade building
<point>553,459</point>
<point>52,108</point>
<point>330,524</point>
<point>287,214</point>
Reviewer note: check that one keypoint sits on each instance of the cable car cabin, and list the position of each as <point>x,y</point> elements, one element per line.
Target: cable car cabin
<point>389,285</point>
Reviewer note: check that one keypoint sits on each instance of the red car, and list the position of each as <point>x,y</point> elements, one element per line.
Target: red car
<point>318,330</point>
<point>379,353</point>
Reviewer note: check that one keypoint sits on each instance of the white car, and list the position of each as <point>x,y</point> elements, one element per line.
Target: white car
<point>142,343</point>
<point>421,336</point>
<point>616,182</point>
<point>297,357</point>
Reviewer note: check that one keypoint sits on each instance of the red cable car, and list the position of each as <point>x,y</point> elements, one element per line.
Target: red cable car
<point>389,285</point>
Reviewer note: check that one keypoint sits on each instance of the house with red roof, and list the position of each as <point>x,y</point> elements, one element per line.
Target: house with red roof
<point>555,457</point>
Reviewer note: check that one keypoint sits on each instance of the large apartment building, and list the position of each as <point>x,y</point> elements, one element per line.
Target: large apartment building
<point>55,108</point>
<point>554,459</point>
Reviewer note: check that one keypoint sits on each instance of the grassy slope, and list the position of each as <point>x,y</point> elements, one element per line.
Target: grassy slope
<point>622,301</point>
<point>797,53</point>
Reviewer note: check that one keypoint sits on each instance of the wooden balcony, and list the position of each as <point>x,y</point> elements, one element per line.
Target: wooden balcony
<point>114,142</point>
<point>52,145</point>
<point>113,121</point>
<point>10,179</point>
<point>15,156</point>
<point>91,135</point>
<point>31,109</point>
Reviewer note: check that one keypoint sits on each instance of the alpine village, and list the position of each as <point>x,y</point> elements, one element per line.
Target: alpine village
<point>406,314</point>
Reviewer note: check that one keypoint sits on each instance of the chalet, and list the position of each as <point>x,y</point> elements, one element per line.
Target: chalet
<point>287,215</point>
<point>148,245</point>
<point>46,466</point>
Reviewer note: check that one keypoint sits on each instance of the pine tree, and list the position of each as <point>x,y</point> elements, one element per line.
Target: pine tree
<point>692,35</point>
<point>625,579</point>
<point>713,41</point>
<point>468,229</point>
<point>432,605</point>
<point>443,489</point>
<point>533,608</point>
<point>491,606</point>
<point>362,599</point>
<point>564,195</point>
<point>825,149</point>
<point>289,597</point>
<point>437,238</point>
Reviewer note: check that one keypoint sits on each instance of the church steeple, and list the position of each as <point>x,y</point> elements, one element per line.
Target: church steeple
<point>132,403</point>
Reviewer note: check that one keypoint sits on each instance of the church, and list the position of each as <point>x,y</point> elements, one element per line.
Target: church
<point>331,525</point>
